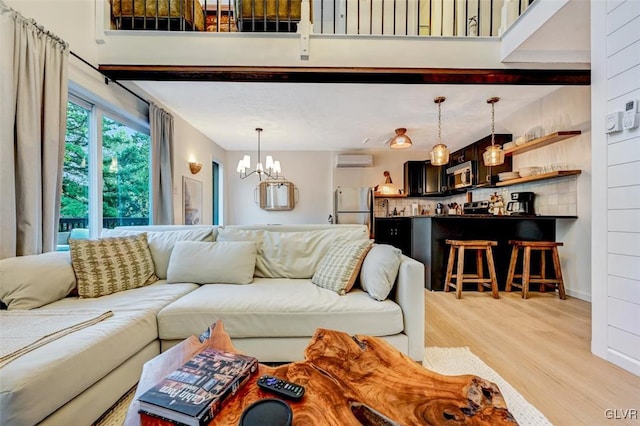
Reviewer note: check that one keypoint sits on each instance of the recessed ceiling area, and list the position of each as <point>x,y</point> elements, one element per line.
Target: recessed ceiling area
<point>335,116</point>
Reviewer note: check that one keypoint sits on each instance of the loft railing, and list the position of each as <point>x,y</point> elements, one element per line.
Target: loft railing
<point>467,18</point>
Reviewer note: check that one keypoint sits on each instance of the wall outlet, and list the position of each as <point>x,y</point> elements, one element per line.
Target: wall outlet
<point>614,122</point>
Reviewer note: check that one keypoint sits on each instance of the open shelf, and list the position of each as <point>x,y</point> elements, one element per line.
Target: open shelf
<point>379,195</point>
<point>533,178</point>
<point>542,141</point>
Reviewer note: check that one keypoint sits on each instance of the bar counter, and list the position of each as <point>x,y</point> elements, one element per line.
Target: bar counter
<point>423,238</point>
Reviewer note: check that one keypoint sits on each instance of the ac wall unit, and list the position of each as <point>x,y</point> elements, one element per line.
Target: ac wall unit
<point>344,160</point>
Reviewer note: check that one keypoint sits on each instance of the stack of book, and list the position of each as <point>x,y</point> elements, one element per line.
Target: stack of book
<point>194,393</point>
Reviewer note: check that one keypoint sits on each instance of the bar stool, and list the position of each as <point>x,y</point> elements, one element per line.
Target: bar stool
<point>480,246</point>
<point>526,276</point>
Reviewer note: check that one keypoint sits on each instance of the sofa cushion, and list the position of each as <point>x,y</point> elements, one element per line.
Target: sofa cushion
<point>339,268</point>
<point>379,270</point>
<point>230,262</point>
<point>28,282</point>
<point>291,254</point>
<point>109,265</point>
<point>41,381</point>
<point>161,242</point>
<point>278,307</point>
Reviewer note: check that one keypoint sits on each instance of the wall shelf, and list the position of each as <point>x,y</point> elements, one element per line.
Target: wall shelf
<point>544,176</point>
<point>542,141</point>
<point>379,195</point>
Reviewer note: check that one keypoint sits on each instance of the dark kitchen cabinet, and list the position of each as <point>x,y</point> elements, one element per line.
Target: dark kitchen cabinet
<point>395,231</point>
<point>415,178</point>
<point>467,153</point>
<point>423,179</point>
<point>489,175</point>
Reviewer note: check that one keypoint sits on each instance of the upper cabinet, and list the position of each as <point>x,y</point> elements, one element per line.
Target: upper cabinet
<point>423,179</point>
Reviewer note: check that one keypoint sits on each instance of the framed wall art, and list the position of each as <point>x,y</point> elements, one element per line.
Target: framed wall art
<point>191,201</point>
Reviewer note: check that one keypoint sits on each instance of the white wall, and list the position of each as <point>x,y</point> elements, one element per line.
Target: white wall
<point>615,47</point>
<point>309,171</point>
<point>569,108</point>
<point>74,22</point>
<point>389,160</point>
<point>191,145</point>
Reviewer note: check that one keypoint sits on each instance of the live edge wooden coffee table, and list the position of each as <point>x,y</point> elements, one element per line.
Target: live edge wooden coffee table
<point>359,380</point>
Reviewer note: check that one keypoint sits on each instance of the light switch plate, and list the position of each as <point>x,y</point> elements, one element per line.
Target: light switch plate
<point>631,117</point>
<point>614,122</point>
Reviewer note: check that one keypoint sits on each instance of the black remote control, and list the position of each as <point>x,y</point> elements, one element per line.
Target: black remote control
<point>281,387</point>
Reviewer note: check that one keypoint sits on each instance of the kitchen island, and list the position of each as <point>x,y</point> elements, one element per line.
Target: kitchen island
<point>423,238</point>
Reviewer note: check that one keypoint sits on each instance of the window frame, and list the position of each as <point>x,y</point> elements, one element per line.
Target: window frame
<point>99,108</point>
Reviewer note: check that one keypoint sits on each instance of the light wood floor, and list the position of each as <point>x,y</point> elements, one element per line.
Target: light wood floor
<point>541,346</point>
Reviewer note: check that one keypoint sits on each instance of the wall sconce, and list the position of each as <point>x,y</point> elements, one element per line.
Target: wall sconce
<point>195,167</point>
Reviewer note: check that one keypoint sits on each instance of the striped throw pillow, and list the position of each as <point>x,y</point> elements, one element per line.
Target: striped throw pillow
<point>339,268</point>
<point>109,265</point>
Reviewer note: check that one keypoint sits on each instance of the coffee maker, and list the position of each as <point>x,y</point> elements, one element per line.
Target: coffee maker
<point>521,204</point>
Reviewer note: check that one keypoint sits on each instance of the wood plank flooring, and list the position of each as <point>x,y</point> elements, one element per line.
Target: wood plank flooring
<point>541,346</point>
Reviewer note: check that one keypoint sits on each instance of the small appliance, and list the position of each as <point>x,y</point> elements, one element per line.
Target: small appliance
<point>461,175</point>
<point>476,208</point>
<point>521,204</point>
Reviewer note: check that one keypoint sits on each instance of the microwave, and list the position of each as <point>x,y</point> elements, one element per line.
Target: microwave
<point>461,175</point>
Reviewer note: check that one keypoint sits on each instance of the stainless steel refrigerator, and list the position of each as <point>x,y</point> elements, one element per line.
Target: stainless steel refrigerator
<point>354,205</point>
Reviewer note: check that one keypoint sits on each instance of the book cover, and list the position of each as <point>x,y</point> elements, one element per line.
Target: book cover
<point>194,393</point>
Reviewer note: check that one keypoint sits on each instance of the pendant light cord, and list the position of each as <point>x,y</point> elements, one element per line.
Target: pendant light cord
<point>493,123</point>
<point>439,122</point>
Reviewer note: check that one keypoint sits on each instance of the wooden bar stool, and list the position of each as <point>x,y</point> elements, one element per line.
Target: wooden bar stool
<point>480,246</point>
<point>526,277</point>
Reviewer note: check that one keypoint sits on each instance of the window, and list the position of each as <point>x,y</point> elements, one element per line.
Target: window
<point>105,174</point>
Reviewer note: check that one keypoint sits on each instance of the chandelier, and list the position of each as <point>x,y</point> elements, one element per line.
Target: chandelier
<point>494,155</point>
<point>440,152</point>
<point>271,169</point>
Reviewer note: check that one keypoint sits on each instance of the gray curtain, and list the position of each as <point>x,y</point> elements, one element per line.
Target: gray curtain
<point>33,106</point>
<point>161,123</point>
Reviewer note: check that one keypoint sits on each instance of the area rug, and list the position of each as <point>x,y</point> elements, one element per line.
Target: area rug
<point>457,361</point>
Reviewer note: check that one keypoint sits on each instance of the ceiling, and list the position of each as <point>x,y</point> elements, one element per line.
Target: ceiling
<point>338,117</point>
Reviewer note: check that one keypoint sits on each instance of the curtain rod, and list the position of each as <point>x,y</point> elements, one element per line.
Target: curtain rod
<point>107,79</point>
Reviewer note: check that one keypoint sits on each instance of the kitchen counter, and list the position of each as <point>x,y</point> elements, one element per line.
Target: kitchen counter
<point>423,238</point>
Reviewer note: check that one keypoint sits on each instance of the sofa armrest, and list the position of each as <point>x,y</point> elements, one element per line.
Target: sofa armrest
<point>409,294</point>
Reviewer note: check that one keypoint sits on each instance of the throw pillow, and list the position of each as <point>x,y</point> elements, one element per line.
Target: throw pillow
<point>161,242</point>
<point>339,268</point>
<point>28,282</point>
<point>212,263</point>
<point>380,270</point>
<point>110,265</point>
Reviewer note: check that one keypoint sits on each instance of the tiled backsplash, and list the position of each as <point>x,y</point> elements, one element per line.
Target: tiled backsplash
<point>554,197</point>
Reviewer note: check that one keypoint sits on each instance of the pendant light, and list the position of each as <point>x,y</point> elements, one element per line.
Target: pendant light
<point>440,152</point>
<point>400,140</point>
<point>494,155</point>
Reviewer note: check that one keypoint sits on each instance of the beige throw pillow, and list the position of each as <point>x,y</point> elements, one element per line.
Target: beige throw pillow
<point>161,242</point>
<point>110,265</point>
<point>339,268</point>
<point>380,270</point>
<point>28,282</point>
<point>228,262</point>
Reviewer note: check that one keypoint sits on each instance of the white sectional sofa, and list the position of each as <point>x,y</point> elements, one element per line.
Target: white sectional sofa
<point>76,378</point>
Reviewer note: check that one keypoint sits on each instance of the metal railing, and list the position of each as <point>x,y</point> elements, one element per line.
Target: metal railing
<point>66,224</point>
<point>467,18</point>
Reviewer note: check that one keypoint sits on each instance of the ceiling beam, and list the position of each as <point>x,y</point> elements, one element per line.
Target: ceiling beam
<point>348,75</point>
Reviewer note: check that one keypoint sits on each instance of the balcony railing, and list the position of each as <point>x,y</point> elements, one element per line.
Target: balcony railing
<point>66,224</point>
<point>468,18</point>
